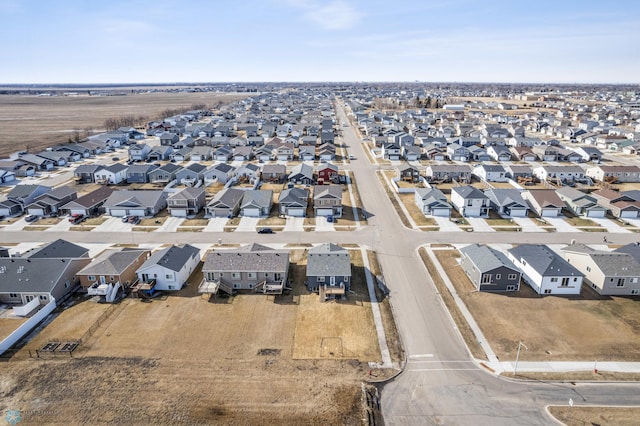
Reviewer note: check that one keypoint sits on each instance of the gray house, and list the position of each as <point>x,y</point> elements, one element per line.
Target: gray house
<point>139,173</point>
<point>254,267</point>
<point>20,197</point>
<point>135,203</point>
<point>301,174</point>
<point>256,203</point>
<point>52,201</point>
<point>432,201</point>
<point>86,173</point>
<point>329,271</point>
<point>489,269</point>
<point>580,203</point>
<point>191,174</point>
<point>164,174</point>
<point>507,202</point>
<point>221,172</point>
<point>187,202</point>
<point>293,202</point>
<point>225,203</point>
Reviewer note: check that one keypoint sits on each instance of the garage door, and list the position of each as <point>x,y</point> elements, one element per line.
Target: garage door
<point>136,212</point>
<point>324,212</point>
<point>629,214</point>
<point>596,213</point>
<point>549,213</point>
<point>296,212</point>
<point>441,212</point>
<point>118,212</point>
<point>251,212</point>
<point>178,213</point>
<point>518,213</point>
<point>77,211</point>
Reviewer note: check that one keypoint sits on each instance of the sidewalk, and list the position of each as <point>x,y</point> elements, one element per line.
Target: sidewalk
<point>567,366</point>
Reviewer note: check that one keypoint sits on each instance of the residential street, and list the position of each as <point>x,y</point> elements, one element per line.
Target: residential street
<point>441,383</point>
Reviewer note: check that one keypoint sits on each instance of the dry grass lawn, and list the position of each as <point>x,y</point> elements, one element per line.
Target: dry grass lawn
<point>584,327</point>
<point>591,416</point>
<point>418,217</point>
<point>184,359</point>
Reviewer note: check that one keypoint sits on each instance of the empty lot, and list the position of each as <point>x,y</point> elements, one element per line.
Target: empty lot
<point>182,358</point>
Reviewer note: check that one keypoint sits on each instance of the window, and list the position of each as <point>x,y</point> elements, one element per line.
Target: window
<point>91,277</point>
<point>169,277</point>
<point>13,295</point>
<point>486,279</point>
<point>252,275</point>
<point>547,291</point>
<point>111,278</point>
<point>635,291</point>
<point>320,279</point>
<point>43,297</point>
<point>633,280</point>
<point>512,277</point>
<point>498,276</point>
<point>236,286</point>
<point>250,286</point>
<point>235,275</point>
<point>511,288</point>
<point>620,282</point>
<point>66,284</point>
<point>171,287</point>
<point>554,279</point>
<point>221,274</point>
<point>588,268</point>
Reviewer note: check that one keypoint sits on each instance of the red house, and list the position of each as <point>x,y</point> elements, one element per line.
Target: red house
<point>327,173</point>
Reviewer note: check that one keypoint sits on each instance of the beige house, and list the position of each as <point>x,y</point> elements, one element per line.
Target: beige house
<point>113,267</point>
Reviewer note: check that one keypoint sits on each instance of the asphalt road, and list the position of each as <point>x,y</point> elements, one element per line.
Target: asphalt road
<point>441,383</point>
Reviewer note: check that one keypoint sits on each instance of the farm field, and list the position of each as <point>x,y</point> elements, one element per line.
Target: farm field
<point>37,122</point>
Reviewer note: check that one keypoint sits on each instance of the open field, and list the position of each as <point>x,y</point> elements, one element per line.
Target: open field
<point>589,416</point>
<point>36,122</point>
<point>584,327</point>
<point>182,358</point>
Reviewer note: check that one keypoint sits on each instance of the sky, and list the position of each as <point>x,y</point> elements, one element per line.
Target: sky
<point>165,41</point>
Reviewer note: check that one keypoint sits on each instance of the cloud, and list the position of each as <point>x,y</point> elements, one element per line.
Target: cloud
<point>332,15</point>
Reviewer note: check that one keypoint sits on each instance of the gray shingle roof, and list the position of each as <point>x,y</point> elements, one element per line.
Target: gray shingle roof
<point>327,260</point>
<point>487,259</point>
<point>111,262</point>
<point>469,192</point>
<point>610,263</point>
<point>33,275</point>
<point>172,258</point>
<point>544,260</point>
<point>252,258</point>
<point>58,249</point>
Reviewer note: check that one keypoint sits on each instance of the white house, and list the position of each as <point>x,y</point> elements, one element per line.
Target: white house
<point>169,268</point>
<point>113,174</point>
<point>470,201</point>
<point>490,172</point>
<point>546,271</point>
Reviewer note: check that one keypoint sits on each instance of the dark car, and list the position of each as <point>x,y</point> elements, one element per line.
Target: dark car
<point>115,158</point>
<point>134,220</point>
<point>31,218</point>
<point>265,231</point>
<point>76,218</point>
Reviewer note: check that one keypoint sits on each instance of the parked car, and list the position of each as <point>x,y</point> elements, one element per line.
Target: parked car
<point>125,219</point>
<point>115,158</point>
<point>265,231</point>
<point>134,220</point>
<point>31,218</point>
<point>76,218</point>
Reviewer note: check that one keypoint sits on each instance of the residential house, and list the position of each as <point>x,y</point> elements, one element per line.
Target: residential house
<point>409,173</point>
<point>168,139</point>
<point>307,153</point>
<point>111,175</point>
<point>327,172</point>
<point>293,202</point>
<point>264,153</point>
<point>545,202</point>
<point>431,201</point>
<point>457,152</point>
<point>249,172</point>
<point>7,176</point>
<point>435,153</point>
<point>46,275</point>
<point>448,172</point>
<point>326,152</point>
<point>275,173</point>
<point>329,271</point>
<point>609,273</point>
<point>523,153</point>
<point>59,159</point>
<point>254,267</point>
<point>256,203</point>
<point>221,172</point>
<point>112,270</point>
<point>302,174</point>
<point>191,175</point>
<point>159,153</point>
<point>51,201</point>
<point>18,167</point>
<point>40,163</point>
<point>490,172</point>
<point>186,202</point>
<point>86,173</point>
<point>89,204</point>
<point>225,203</point>
<point>616,173</point>
<point>284,152</point>
<point>139,173</point>
<point>169,268</point>
<point>223,153</point>
<point>478,154</point>
<point>142,203</point>
<point>470,201</point>
<point>139,152</point>
<point>546,152</point>
<point>327,200</point>
<point>620,204</point>
<point>19,197</point>
<point>507,202</point>
<point>164,174</point>
<point>545,271</point>
<point>499,153</point>
<point>559,173</point>
<point>581,204</point>
<point>489,269</point>
<point>201,153</point>
<point>519,172</point>
<point>411,152</point>
<point>242,153</point>
<point>589,153</point>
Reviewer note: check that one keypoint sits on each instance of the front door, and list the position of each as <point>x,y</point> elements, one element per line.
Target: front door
<point>102,279</point>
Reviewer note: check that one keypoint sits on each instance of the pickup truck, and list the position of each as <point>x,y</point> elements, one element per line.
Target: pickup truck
<point>76,218</point>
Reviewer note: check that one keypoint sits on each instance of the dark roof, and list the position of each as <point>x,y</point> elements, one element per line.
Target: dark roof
<point>544,260</point>
<point>487,259</point>
<point>172,258</point>
<point>328,260</point>
<point>58,249</point>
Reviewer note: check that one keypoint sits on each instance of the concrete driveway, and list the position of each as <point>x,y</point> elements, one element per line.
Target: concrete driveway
<point>560,224</point>
<point>294,224</point>
<point>216,224</point>
<point>610,225</point>
<point>446,225</point>
<point>247,224</point>
<point>63,225</point>
<point>479,224</point>
<point>322,225</point>
<point>113,224</point>
<point>171,224</point>
<point>526,224</point>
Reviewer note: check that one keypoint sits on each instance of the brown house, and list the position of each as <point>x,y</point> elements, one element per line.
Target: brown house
<point>112,268</point>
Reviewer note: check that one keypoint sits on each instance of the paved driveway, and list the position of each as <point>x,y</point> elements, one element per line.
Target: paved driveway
<point>479,224</point>
<point>247,224</point>
<point>610,225</point>
<point>526,224</point>
<point>63,225</point>
<point>446,225</point>
<point>294,224</point>
<point>216,224</point>
<point>171,224</point>
<point>322,225</point>
<point>113,224</point>
<point>560,224</point>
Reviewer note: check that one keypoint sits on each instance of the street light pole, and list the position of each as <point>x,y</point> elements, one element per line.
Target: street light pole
<point>515,368</point>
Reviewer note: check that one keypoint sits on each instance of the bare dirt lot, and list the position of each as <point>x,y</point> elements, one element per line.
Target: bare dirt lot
<point>184,359</point>
<point>585,327</point>
<point>38,122</point>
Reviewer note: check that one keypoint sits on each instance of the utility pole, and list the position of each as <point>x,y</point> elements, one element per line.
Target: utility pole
<point>520,344</point>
